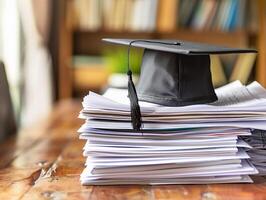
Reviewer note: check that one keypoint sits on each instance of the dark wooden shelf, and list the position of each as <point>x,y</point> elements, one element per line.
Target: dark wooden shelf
<point>89,42</point>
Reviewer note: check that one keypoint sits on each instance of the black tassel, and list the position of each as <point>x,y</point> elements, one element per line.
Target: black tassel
<point>132,94</point>
<point>134,103</point>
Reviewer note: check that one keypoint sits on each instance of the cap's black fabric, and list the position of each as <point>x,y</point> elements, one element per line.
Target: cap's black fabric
<point>174,79</point>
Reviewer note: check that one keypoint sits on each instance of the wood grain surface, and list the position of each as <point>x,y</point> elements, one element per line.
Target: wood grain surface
<point>45,161</point>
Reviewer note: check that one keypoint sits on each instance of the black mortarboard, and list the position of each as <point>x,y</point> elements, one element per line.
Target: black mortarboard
<point>173,73</point>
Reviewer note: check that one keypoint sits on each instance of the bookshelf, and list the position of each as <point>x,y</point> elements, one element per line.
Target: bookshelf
<point>75,40</point>
<point>261,43</point>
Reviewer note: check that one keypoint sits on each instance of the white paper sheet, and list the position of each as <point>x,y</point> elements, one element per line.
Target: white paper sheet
<point>201,180</point>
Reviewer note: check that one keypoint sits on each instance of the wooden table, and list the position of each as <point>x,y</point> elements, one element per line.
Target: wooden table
<point>45,161</point>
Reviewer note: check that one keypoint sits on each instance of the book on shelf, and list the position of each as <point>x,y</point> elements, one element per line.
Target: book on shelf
<point>243,67</point>
<point>218,75</point>
<point>230,68</point>
<point>89,72</point>
<point>167,17</point>
<point>202,13</point>
<point>79,61</point>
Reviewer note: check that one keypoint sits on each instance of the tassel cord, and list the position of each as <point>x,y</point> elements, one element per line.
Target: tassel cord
<point>136,119</point>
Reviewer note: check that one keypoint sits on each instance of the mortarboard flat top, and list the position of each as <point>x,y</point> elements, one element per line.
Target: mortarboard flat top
<point>179,46</point>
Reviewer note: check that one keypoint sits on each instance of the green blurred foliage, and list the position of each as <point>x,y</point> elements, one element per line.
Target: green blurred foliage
<point>116,59</point>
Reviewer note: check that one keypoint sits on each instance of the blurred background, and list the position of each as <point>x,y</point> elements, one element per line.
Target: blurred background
<point>52,50</point>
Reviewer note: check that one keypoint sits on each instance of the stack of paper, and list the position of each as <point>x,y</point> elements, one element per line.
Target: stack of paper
<point>258,152</point>
<point>186,145</point>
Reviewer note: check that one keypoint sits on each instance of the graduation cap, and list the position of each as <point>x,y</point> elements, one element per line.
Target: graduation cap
<point>173,73</point>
